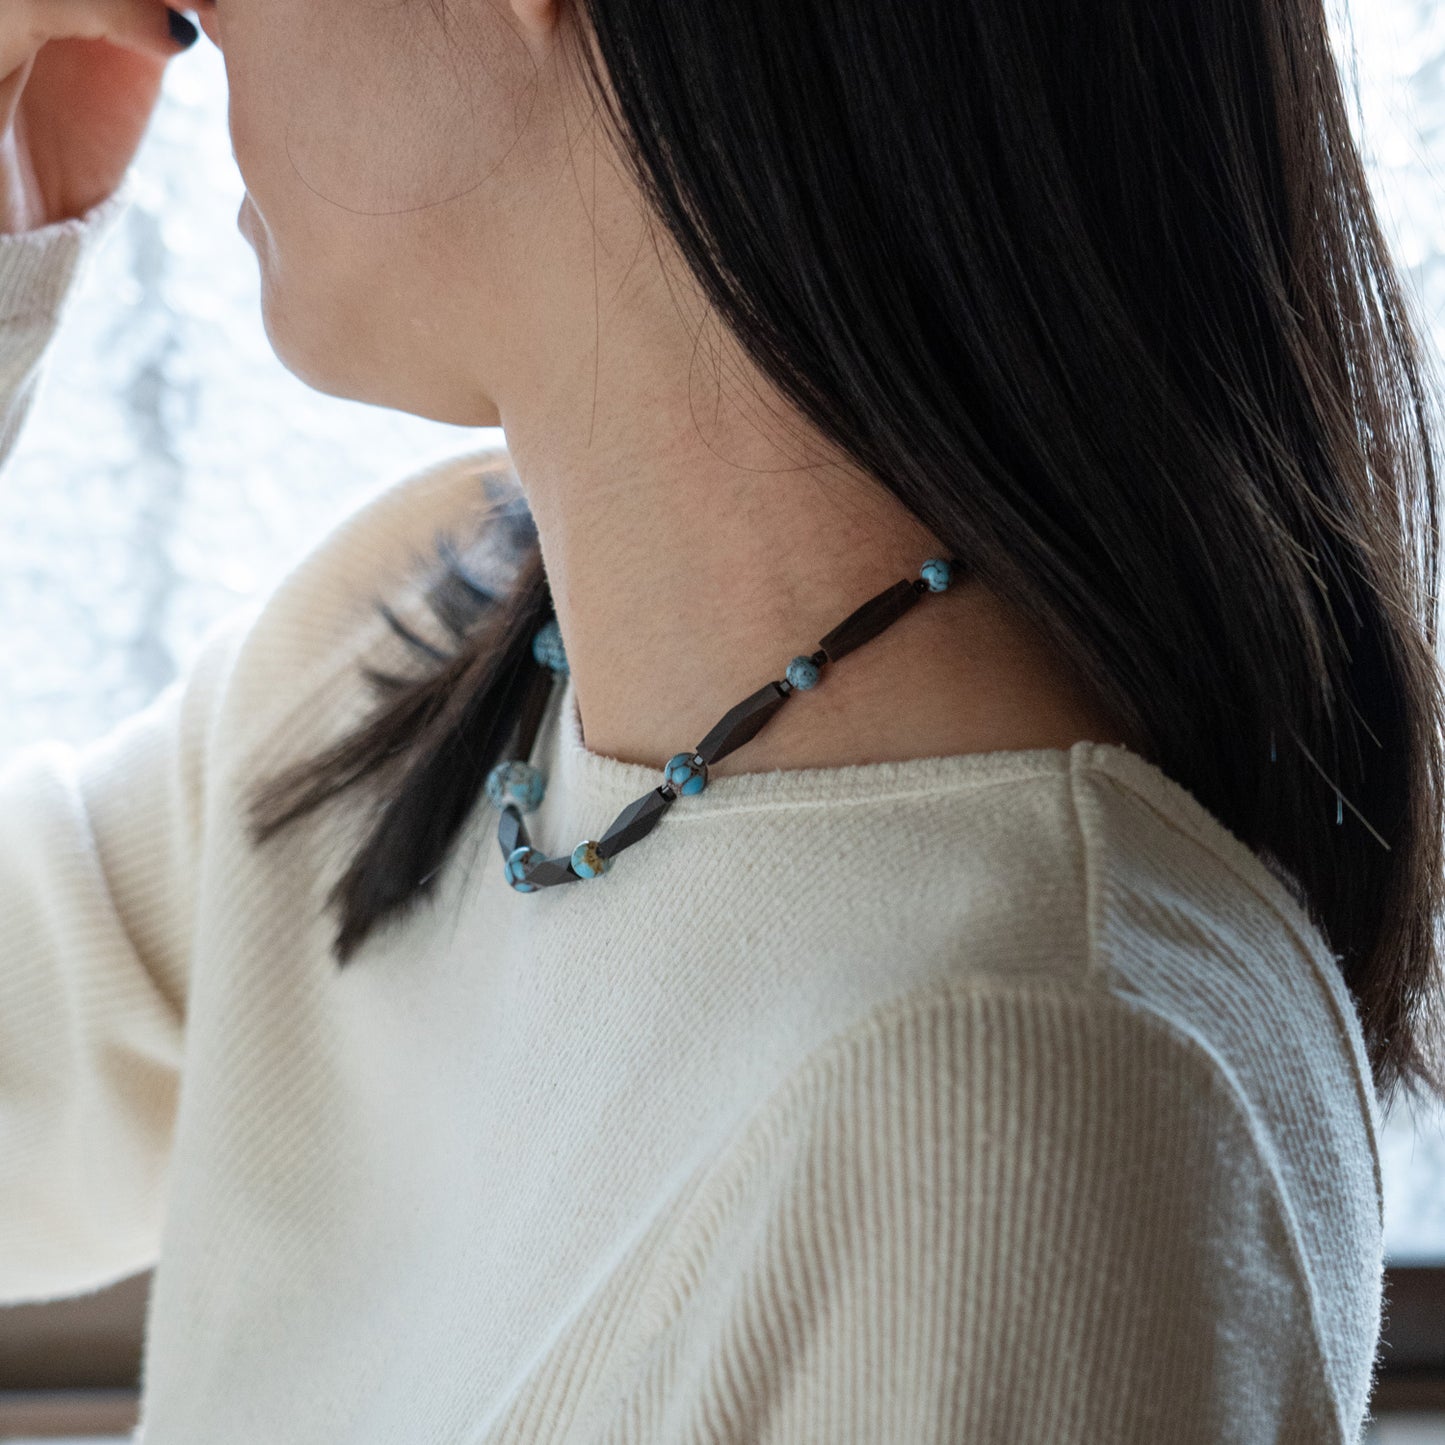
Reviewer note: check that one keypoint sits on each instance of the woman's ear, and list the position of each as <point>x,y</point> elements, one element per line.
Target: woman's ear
<point>538,20</point>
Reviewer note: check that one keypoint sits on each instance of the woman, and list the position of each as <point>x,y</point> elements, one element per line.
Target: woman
<point>988,1046</point>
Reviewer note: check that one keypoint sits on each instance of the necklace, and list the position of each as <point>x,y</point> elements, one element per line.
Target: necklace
<point>515,786</point>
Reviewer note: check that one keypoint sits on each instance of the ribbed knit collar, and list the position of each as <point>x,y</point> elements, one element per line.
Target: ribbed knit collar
<point>580,773</point>
<point>590,789</point>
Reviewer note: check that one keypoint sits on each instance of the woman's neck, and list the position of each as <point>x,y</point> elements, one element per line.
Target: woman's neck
<point>689,566</point>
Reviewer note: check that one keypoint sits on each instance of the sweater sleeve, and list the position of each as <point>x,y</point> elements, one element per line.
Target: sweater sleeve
<point>1033,1215</point>
<point>39,271</point>
<point>89,1027</point>
<point>99,857</point>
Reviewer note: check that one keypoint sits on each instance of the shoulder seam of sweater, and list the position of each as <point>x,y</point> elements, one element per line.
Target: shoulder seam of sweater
<point>1274,896</point>
<point>1088,873</point>
<point>1276,899</point>
<point>1295,922</point>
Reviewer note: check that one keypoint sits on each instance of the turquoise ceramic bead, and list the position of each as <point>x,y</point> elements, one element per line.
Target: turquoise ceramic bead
<point>937,573</point>
<point>803,672</point>
<point>517,862</point>
<point>686,773</point>
<point>547,646</point>
<point>587,862</point>
<point>518,783</point>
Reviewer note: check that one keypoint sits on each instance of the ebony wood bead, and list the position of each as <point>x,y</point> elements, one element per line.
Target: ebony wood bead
<point>741,724</point>
<point>511,832</point>
<point>869,620</point>
<point>551,871</point>
<point>634,822</point>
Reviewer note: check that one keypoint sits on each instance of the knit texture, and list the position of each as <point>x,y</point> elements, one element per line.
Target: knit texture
<point>1004,1097</point>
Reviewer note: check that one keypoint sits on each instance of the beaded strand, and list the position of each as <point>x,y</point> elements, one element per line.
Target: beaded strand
<point>515,786</point>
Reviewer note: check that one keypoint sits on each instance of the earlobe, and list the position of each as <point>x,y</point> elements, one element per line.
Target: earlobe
<point>538,19</point>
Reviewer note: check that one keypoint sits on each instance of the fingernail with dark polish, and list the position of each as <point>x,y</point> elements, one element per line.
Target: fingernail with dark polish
<point>182,31</point>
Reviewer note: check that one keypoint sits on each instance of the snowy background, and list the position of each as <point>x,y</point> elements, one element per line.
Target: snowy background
<point>172,468</point>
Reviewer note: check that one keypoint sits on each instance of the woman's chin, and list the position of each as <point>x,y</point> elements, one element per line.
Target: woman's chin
<point>309,359</point>
<point>335,367</point>
<point>343,353</point>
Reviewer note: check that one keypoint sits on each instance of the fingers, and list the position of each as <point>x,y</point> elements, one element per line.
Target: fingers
<point>136,24</point>
<point>206,19</point>
<point>10,87</point>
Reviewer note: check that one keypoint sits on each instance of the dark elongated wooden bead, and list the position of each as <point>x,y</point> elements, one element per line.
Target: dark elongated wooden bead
<point>552,871</point>
<point>741,723</point>
<point>511,832</point>
<point>635,821</point>
<point>870,619</point>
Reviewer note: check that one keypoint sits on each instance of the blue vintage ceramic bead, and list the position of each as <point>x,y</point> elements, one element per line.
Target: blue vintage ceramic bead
<point>937,573</point>
<point>516,865</point>
<point>686,773</point>
<point>803,672</point>
<point>587,861</point>
<point>518,783</point>
<point>547,646</point>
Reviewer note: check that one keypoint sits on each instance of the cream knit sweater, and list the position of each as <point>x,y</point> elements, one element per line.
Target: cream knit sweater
<point>992,1098</point>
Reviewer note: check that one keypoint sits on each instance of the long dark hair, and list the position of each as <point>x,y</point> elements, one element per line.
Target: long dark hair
<point>1099,292</point>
